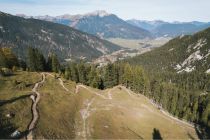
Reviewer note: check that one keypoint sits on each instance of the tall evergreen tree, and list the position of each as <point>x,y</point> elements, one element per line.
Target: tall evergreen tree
<point>55,63</point>
<point>36,60</point>
<point>82,72</point>
<point>49,63</point>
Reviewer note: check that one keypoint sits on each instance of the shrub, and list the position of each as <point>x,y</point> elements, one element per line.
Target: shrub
<point>6,72</point>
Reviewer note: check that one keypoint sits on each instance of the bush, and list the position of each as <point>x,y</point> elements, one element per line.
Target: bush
<point>1,73</point>
<point>21,86</point>
<point>6,72</point>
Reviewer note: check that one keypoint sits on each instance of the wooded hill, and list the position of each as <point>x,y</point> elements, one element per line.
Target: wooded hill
<point>19,33</point>
<point>185,95</point>
<point>182,54</point>
<point>179,79</point>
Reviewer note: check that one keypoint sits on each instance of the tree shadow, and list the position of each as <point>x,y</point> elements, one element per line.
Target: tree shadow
<point>4,102</point>
<point>6,127</point>
<point>156,134</point>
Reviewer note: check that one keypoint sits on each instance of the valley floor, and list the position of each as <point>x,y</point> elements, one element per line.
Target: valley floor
<point>69,110</point>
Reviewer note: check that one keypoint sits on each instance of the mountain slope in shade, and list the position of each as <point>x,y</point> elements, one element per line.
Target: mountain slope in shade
<point>101,24</point>
<point>20,33</point>
<point>183,54</point>
<point>173,29</point>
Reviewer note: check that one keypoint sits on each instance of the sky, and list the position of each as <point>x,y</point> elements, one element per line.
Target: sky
<point>167,10</point>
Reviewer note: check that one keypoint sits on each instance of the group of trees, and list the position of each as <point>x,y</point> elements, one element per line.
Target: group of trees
<point>7,58</point>
<point>183,95</point>
<point>37,62</point>
<point>84,73</point>
<point>108,76</point>
<point>8,61</point>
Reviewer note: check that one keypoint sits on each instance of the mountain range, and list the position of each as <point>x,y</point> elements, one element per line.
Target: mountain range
<point>105,25</point>
<point>20,33</point>
<point>99,23</point>
<point>170,29</point>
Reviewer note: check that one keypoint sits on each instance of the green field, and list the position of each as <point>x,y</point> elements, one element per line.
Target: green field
<point>84,112</point>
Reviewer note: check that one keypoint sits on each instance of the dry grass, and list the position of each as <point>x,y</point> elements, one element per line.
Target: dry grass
<point>90,113</point>
<point>15,100</point>
<point>138,43</point>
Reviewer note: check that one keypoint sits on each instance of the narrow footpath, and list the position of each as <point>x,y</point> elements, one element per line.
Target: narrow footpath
<point>35,115</point>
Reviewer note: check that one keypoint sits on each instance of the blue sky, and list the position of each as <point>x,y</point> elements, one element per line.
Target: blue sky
<point>168,10</point>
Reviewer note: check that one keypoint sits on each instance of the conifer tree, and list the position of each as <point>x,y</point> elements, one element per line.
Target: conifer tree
<point>55,63</point>
<point>49,63</point>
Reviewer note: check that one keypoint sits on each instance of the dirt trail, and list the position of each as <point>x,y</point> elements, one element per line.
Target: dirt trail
<point>34,108</point>
<point>100,95</point>
<point>127,90</point>
<point>60,81</point>
<point>85,113</point>
<point>110,94</point>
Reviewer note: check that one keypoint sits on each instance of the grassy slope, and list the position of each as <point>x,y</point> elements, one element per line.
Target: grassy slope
<point>21,107</point>
<point>122,116</point>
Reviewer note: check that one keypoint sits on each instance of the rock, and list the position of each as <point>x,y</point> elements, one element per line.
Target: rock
<point>15,134</point>
<point>10,115</point>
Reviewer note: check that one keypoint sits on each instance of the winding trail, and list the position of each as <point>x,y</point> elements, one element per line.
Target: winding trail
<point>34,108</point>
<point>85,113</point>
<point>110,94</point>
<point>60,81</point>
<point>100,95</point>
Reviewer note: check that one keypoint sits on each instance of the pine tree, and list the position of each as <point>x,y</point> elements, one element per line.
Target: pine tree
<point>55,63</point>
<point>109,76</point>
<point>31,59</point>
<point>82,72</point>
<point>127,76</point>
<point>74,72</point>
<point>49,63</point>
<point>3,60</point>
<point>67,73</point>
<point>7,58</point>
<point>91,76</point>
<point>36,60</point>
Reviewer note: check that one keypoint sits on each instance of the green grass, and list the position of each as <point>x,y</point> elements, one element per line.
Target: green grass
<point>122,117</point>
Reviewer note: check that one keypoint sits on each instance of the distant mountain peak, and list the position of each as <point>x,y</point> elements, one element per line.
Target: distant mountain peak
<point>101,24</point>
<point>100,13</point>
<point>49,37</point>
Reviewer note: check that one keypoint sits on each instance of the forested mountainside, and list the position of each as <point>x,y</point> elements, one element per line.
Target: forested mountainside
<point>179,78</point>
<point>101,24</point>
<point>19,33</point>
<point>182,54</point>
<point>184,95</point>
<point>171,29</point>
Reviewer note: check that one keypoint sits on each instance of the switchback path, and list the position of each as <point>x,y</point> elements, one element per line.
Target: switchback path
<point>61,82</point>
<point>100,95</point>
<point>34,108</point>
